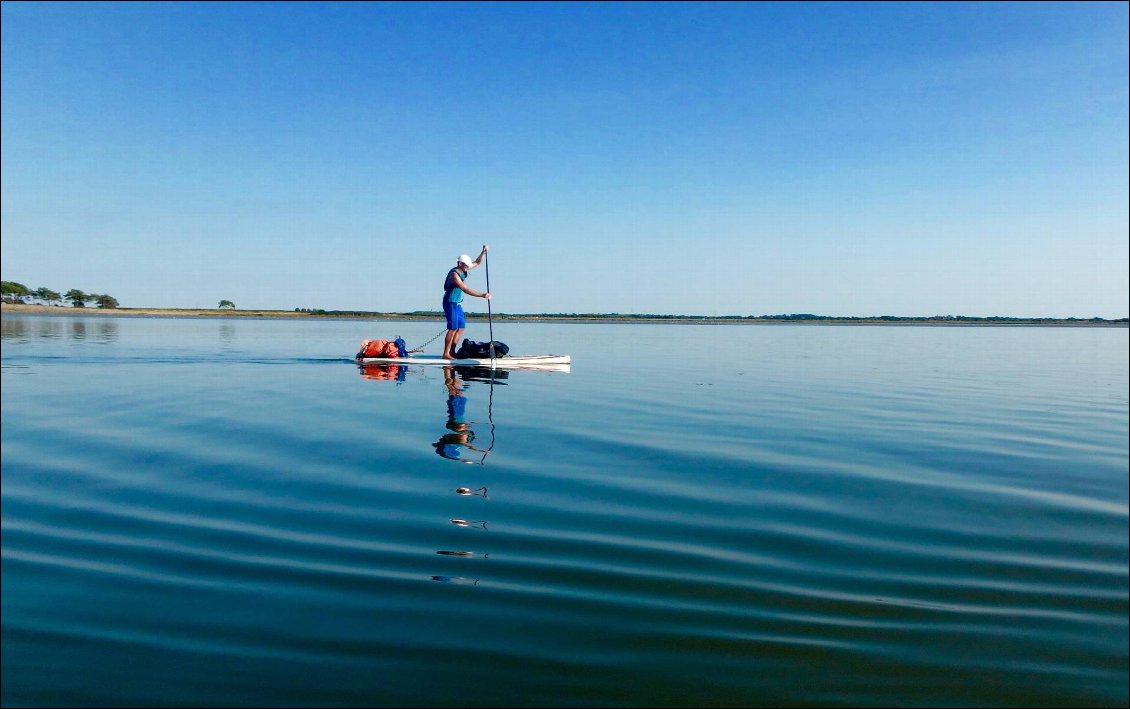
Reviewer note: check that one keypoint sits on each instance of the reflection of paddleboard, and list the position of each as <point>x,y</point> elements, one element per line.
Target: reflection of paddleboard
<point>508,362</point>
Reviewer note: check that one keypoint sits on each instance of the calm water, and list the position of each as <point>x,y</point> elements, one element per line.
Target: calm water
<point>231,512</point>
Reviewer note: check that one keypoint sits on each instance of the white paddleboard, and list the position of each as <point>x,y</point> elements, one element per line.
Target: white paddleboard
<point>508,362</point>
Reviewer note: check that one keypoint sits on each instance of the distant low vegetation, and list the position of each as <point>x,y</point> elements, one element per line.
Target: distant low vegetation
<point>793,317</point>
<point>19,293</point>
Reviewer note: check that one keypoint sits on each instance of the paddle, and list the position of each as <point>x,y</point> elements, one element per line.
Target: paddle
<point>490,321</point>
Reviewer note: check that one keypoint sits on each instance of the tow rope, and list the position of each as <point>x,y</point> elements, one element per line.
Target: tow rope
<point>421,347</point>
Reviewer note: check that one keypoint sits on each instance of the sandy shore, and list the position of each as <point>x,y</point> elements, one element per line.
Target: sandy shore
<point>151,312</point>
<point>686,320</point>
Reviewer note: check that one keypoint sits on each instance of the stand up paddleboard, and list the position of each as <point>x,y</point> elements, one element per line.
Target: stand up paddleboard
<point>508,362</point>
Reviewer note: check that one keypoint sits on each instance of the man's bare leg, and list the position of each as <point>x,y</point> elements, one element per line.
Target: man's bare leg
<point>451,343</point>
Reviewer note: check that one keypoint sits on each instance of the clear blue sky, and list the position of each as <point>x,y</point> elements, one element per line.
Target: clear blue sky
<point>728,159</point>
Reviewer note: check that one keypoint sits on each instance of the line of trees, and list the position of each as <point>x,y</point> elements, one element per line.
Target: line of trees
<point>19,293</point>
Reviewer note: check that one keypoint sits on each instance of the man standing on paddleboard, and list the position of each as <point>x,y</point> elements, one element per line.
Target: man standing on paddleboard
<point>453,289</point>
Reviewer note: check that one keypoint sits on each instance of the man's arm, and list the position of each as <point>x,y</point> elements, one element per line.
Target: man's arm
<point>455,278</point>
<point>482,255</point>
<point>458,281</point>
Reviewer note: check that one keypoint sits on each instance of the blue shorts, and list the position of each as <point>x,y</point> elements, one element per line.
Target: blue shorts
<point>454,314</point>
<point>457,409</point>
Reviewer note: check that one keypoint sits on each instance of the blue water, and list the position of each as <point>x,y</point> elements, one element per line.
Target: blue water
<point>231,512</point>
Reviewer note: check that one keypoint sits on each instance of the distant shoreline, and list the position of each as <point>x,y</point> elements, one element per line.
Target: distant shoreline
<point>14,308</point>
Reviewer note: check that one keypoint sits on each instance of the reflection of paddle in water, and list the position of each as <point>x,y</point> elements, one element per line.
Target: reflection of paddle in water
<point>463,553</point>
<point>456,579</point>
<point>490,417</point>
<point>480,524</point>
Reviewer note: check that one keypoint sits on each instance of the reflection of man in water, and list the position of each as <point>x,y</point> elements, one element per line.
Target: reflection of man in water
<point>451,445</point>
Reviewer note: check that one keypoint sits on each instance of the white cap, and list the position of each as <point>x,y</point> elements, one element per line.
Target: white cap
<point>466,261</point>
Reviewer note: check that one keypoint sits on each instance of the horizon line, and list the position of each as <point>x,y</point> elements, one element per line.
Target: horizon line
<point>575,315</point>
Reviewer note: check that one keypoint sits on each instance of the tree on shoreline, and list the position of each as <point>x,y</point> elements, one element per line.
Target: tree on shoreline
<point>78,298</point>
<point>14,292</point>
<point>48,296</point>
<point>19,293</point>
<point>227,305</point>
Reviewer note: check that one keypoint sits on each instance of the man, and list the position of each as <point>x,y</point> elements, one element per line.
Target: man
<point>454,286</point>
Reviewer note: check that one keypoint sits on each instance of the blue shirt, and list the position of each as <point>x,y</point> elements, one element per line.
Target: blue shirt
<point>448,451</point>
<point>451,292</point>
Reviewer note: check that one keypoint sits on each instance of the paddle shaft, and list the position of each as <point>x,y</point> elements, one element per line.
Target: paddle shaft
<point>490,319</point>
